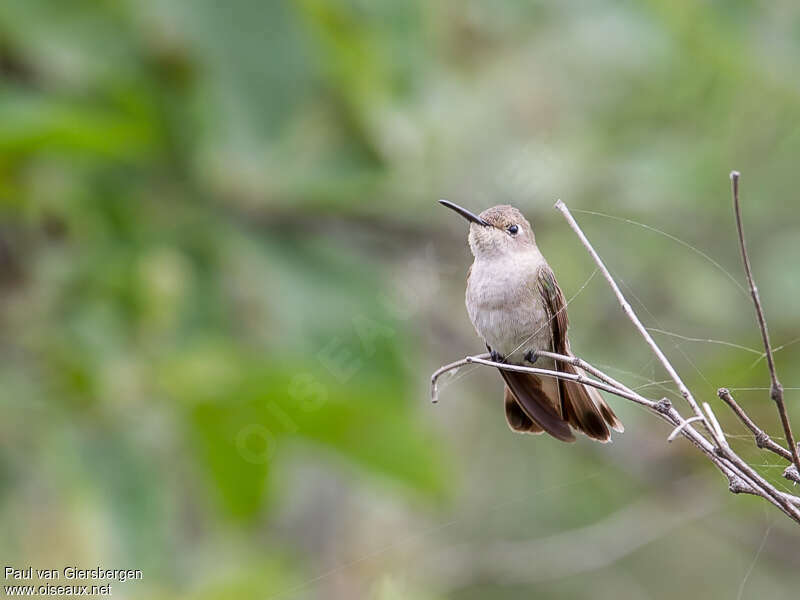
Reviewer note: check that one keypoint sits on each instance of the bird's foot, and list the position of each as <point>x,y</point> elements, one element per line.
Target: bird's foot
<point>497,357</point>
<point>531,356</point>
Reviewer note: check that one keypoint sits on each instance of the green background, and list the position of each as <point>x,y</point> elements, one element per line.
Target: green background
<point>225,281</point>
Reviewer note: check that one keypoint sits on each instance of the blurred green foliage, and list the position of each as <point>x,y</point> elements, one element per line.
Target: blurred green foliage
<point>224,281</point>
<point>154,326</point>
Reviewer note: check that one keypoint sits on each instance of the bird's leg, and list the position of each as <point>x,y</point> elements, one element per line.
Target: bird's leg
<point>531,356</point>
<point>496,356</point>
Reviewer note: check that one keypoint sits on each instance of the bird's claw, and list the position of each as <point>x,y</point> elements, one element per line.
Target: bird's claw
<point>497,357</point>
<point>531,356</point>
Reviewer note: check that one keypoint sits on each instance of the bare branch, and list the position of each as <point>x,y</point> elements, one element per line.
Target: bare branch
<point>781,500</point>
<point>731,464</point>
<point>632,396</point>
<point>582,364</point>
<point>776,389</point>
<point>679,428</point>
<point>442,370</point>
<point>761,438</point>
<point>741,479</point>
<point>716,429</point>
<point>626,307</point>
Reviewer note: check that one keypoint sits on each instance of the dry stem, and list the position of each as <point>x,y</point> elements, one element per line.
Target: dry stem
<point>741,478</point>
<point>626,307</point>
<point>776,389</point>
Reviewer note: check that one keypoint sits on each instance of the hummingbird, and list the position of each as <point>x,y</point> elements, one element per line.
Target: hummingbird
<point>517,307</point>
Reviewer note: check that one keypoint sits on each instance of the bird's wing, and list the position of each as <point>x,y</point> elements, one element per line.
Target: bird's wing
<point>582,406</point>
<point>556,306</point>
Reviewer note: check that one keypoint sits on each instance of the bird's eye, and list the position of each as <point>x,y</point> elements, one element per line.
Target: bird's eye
<point>513,229</point>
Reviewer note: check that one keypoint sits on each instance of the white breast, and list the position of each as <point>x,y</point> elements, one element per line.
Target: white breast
<point>505,307</point>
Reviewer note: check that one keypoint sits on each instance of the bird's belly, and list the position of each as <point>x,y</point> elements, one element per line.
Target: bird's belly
<point>513,332</point>
<point>509,316</point>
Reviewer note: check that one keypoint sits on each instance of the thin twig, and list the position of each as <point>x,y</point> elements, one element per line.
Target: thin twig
<point>741,479</point>
<point>716,428</point>
<point>626,307</point>
<point>676,432</point>
<point>441,371</point>
<point>632,396</point>
<point>582,364</point>
<point>762,439</point>
<point>759,483</point>
<point>776,390</point>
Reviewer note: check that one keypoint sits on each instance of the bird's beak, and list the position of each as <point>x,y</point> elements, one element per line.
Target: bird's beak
<point>464,212</point>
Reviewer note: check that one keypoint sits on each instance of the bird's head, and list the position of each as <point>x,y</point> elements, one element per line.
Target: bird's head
<point>496,231</point>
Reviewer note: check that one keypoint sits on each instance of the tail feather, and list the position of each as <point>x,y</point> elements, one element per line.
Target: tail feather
<point>584,408</point>
<point>605,410</point>
<point>528,391</point>
<point>515,417</point>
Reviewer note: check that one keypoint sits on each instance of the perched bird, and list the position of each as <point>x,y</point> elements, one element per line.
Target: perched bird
<point>516,306</point>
